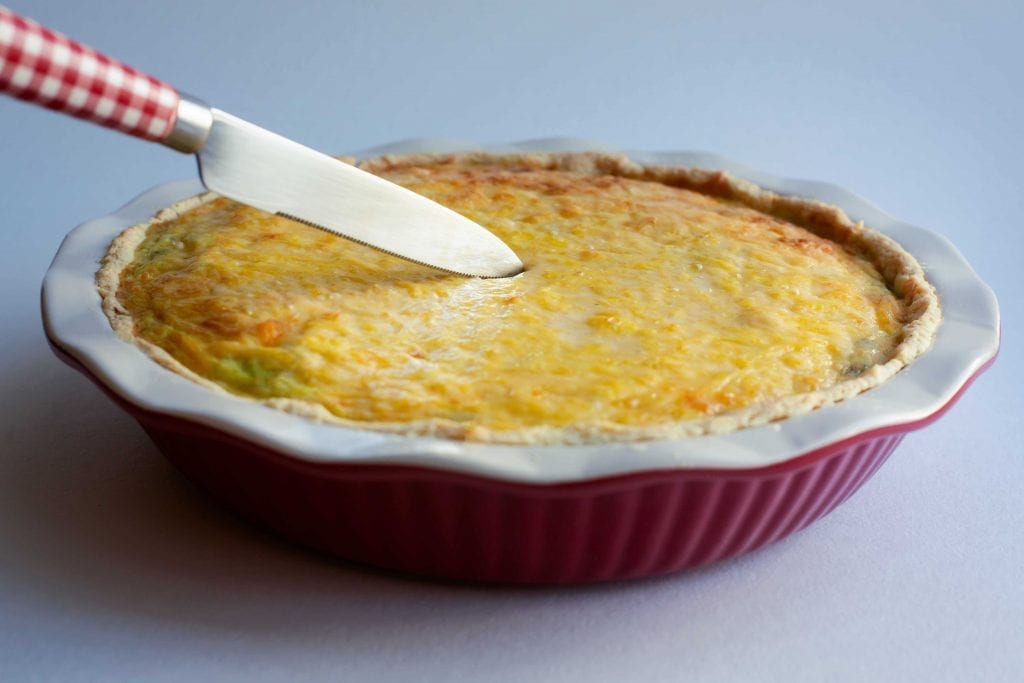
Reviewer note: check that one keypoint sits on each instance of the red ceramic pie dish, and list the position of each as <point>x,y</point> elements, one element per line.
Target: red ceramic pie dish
<point>525,514</point>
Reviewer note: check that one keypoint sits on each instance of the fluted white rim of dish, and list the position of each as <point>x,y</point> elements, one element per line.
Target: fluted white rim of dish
<point>967,339</point>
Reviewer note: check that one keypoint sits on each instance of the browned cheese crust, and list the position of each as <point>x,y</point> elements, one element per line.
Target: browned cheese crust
<point>902,274</point>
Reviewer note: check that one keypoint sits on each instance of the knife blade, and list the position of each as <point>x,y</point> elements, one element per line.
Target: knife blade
<point>240,160</point>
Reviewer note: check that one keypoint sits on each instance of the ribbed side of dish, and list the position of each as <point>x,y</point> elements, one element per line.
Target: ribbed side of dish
<point>454,526</point>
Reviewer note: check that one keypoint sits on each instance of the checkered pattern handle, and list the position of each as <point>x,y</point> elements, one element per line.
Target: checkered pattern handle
<point>42,66</point>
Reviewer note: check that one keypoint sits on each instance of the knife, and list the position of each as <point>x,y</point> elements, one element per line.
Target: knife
<point>243,161</point>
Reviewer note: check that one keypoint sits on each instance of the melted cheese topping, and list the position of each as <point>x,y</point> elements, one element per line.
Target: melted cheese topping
<point>641,304</point>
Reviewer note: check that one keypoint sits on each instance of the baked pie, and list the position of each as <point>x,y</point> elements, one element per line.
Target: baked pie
<point>656,303</point>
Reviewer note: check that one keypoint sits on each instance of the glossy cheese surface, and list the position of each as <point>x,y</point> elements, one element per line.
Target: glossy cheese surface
<point>641,304</point>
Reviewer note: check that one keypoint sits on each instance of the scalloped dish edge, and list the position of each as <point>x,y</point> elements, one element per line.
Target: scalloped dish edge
<point>739,451</point>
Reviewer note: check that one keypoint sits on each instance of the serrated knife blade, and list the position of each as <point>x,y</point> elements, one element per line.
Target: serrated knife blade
<point>270,172</point>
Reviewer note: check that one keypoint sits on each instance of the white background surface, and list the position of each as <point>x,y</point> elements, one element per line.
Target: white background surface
<point>113,567</point>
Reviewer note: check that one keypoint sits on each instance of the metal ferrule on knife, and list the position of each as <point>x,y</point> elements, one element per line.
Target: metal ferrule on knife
<point>192,125</point>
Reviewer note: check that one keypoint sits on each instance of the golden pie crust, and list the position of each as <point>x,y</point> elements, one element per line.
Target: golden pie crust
<point>657,303</point>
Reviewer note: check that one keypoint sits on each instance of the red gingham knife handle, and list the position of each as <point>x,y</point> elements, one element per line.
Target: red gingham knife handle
<point>42,66</point>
